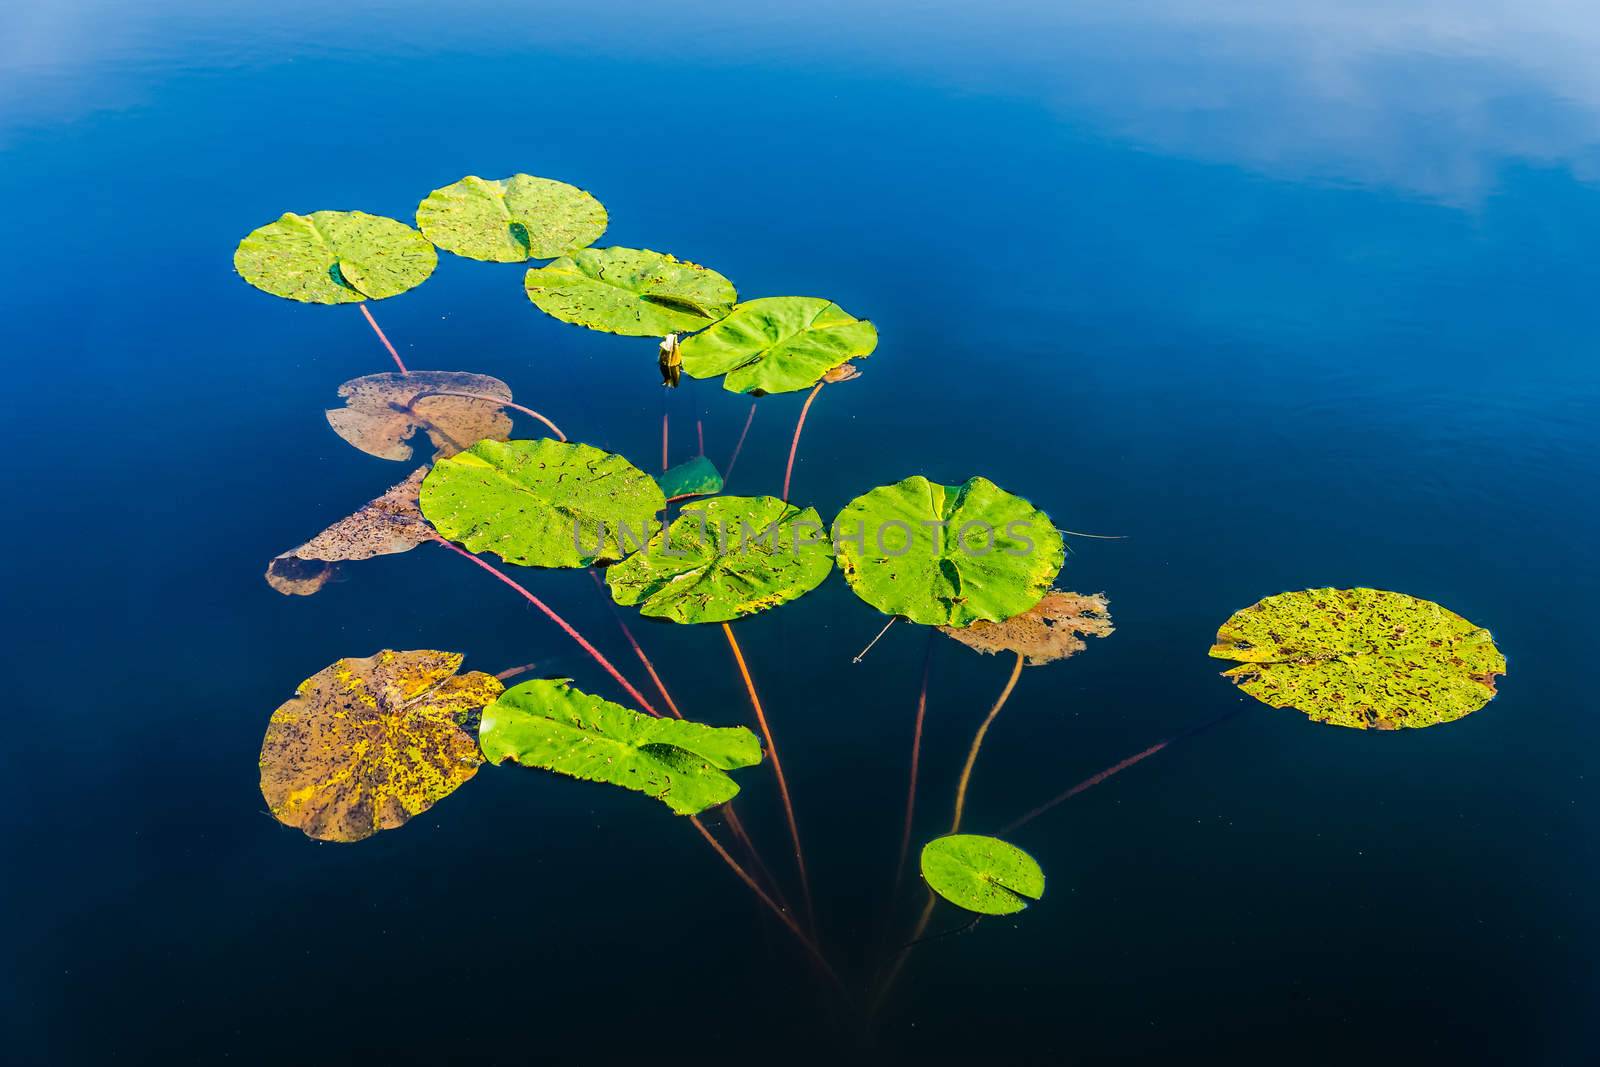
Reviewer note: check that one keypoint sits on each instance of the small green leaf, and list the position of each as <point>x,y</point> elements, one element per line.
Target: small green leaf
<point>697,477</point>
<point>631,291</point>
<point>981,874</point>
<point>511,219</point>
<point>547,724</point>
<point>778,344</point>
<point>334,257</point>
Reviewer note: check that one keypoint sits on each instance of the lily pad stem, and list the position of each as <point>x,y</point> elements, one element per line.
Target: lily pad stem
<point>859,656</point>
<point>493,400</point>
<point>916,758</point>
<point>379,331</point>
<point>794,445</point>
<point>977,743</point>
<point>738,446</point>
<point>512,672</point>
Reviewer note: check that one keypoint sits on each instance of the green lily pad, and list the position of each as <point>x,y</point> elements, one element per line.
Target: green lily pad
<point>697,477</point>
<point>542,503</point>
<point>778,344</point>
<point>981,874</point>
<point>335,257</point>
<point>631,291</point>
<point>947,555</point>
<point>511,219</point>
<point>723,558</point>
<point>1362,658</point>
<point>547,724</point>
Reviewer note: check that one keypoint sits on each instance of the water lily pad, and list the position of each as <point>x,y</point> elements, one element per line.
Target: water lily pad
<point>383,411</point>
<point>547,724</point>
<point>697,477</point>
<point>947,555</point>
<point>511,219</point>
<point>335,257</point>
<point>542,503</point>
<point>778,344</point>
<point>724,558</point>
<point>1050,630</point>
<point>391,523</point>
<point>1363,658</point>
<point>367,743</point>
<point>981,874</point>
<point>631,291</point>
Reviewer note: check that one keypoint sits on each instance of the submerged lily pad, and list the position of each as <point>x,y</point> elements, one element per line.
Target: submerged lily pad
<point>724,558</point>
<point>697,477</point>
<point>392,523</point>
<point>1050,630</point>
<point>981,874</point>
<point>542,503</point>
<point>778,344</point>
<point>511,219</point>
<point>631,291</point>
<point>335,257</point>
<point>367,743</point>
<point>1363,658</point>
<point>546,723</point>
<point>947,555</point>
<point>383,411</point>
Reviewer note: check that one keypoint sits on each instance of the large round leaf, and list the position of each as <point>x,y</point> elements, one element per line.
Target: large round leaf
<point>631,291</point>
<point>723,558</point>
<point>335,257</point>
<point>511,219</point>
<point>1362,658</point>
<point>777,344</point>
<point>947,555</point>
<point>457,409</point>
<point>367,743</point>
<point>546,723</point>
<point>981,874</point>
<point>542,503</point>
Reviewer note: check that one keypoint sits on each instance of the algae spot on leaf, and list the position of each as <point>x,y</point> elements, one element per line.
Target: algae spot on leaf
<point>334,257</point>
<point>391,523</point>
<point>542,503</point>
<point>981,874</point>
<point>511,219</point>
<point>630,291</point>
<point>547,724</point>
<point>365,744</point>
<point>778,344</point>
<point>456,409</point>
<point>1052,629</point>
<point>1362,658</point>
<point>947,555</point>
<point>696,477</point>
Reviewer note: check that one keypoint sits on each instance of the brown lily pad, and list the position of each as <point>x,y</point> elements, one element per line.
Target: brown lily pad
<point>1052,629</point>
<point>456,409</point>
<point>390,524</point>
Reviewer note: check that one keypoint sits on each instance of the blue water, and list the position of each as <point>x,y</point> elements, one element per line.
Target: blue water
<point>1290,299</point>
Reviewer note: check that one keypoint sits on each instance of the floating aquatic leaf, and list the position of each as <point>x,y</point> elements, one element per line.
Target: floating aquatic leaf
<point>1363,658</point>
<point>777,344</point>
<point>367,743</point>
<point>542,503</point>
<point>1050,630</point>
<point>546,723</point>
<point>335,257</point>
<point>696,477</point>
<point>945,555</point>
<point>631,291</point>
<point>723,558</point>
<point>391,523</point>
<point>511,219</point>
<point>981,874</point>
<point>383,411</point>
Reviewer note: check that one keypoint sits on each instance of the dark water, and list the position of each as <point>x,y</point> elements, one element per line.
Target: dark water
<point>1296,299</point>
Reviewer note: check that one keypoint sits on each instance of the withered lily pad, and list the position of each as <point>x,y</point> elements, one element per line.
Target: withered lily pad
<point>367,743</point>
<point>391,523</point>
<point>1363,658</point>
<point>335,257</point>
<point>383,411</point>
<point>981,874</point>
<point>1052,629</point>
<point>510,219</point>
<point>630,291</point>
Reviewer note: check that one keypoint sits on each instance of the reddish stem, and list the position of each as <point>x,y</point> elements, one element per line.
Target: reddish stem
<point>737,447</point>
<point>794,445</point>
<point>663,440</point>
<point>512,672</point>
<point>492,400</point>
<point>379,331</point>
<point>916,757</point>
<point>700,433</point>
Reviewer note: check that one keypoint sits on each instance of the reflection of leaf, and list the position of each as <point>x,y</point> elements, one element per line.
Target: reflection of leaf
<point>630,291</point>
<point>1046,632</point>
<point>777,344</point>
<point>335,257</point>
<point>697,477</point>
<point>367,743</point>
<point>512,219</point>
<point>391,523</point>
<point>723,558</point>
<point>383,411</point>
<point>542,503</point>
<point>1363,658</point>
<point>947,555</point>
<point>981,874</point>
<point>545,723</point>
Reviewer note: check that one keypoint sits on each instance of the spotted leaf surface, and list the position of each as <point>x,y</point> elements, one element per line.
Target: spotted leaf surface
<point>777,344</point>
<point>509,220</point>
<point>335,257</point>
<point>391,523</point>
<point>631,291</point>
<point>455,409</point>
